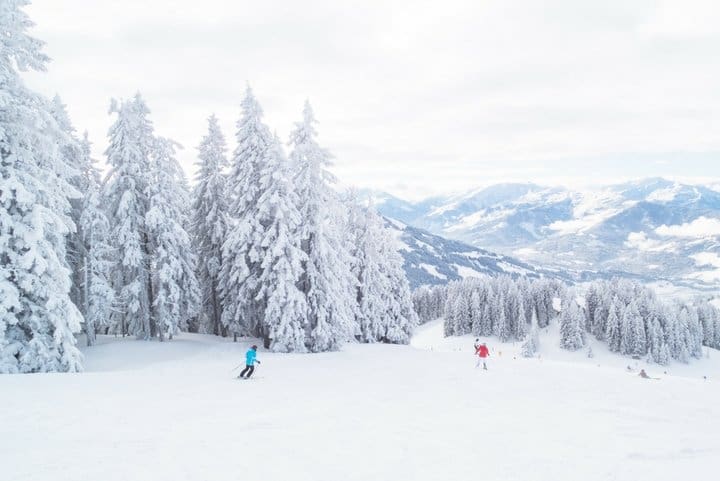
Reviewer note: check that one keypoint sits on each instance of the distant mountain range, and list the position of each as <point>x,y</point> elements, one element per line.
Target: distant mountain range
<point>431,259</point>
<point>653,229</point>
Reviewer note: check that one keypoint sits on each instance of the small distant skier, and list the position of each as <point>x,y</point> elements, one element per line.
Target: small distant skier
<point>643,374</point>
<point>482,352</point>
<point>250,360</point>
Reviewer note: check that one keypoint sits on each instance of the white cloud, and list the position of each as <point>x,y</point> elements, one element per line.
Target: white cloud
<point>700,228</point>
<point>411,97</point>
<point>705,259</point>
<point>640,240</point>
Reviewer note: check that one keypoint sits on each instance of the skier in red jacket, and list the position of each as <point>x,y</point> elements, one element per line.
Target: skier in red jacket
<point>483,353</point>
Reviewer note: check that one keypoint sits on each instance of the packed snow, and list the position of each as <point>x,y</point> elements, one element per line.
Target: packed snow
<point>174,411</point>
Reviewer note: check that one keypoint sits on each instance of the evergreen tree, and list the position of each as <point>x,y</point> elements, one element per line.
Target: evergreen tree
<point>613,334</point>
<point>327,281</point>
<point>401,319</point>
<point>461,315</point>
<point>383,293</point>
<point>209,221</point>
<point>176,293</point>
<point>498,314</point>
<point>572,321</point>
<point>284,321</point>
<point>476,314</point>
<point>37,316</point>
<point>128,154</point>
<point>98,296</point>
<point>532,342</point>
<point>373,286</point>
<point>241,254</point>
<point>74,156</point>
<point>521,327</point>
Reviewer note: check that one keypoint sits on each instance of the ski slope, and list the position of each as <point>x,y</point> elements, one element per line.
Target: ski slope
<point>173,411</point>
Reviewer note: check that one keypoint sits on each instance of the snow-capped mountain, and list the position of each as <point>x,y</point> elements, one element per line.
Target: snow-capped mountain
<point>431,259</point>
<point>653,229</point>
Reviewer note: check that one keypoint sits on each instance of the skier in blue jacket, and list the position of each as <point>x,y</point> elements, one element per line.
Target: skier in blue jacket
<point>250,360</point>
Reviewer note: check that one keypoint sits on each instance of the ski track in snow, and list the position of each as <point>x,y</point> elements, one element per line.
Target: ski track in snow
<point>174,411</point>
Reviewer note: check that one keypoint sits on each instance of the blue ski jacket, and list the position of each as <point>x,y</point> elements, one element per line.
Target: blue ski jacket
<point>250,357</point>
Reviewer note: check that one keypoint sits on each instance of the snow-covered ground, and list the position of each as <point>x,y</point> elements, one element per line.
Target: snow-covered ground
<point>174,411</point>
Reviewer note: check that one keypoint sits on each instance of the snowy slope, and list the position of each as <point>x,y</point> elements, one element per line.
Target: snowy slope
<point>173,411</point>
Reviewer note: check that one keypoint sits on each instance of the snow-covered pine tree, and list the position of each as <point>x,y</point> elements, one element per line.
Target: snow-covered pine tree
<point>327,281</point>
<point>593,299</point>
<point>71,151</point>
<point>461,314</point>
<point>384,311</point>
<point>476,313</point>
<point>639,341</point>
<point>241,256</point>
<point>128,154</point>
<point>98,296</point>
<point>613,333</point>
<point>655,338</point>
<point>449,311</point>
<point>532,341</point>
<point>521,327</point>
<point>284,305</point>
<point>401,319</point>
<point>209,221</point>
<point>37,316</point>
<point>373,287</point>
<point>176,293</point>
<point>500,318</point>
<point>572,321</point>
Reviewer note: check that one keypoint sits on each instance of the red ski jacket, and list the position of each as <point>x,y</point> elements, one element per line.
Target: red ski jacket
<point>482,351</point>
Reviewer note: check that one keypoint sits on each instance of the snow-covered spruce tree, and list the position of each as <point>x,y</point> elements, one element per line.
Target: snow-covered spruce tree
<point>176,293</point>
<point>131,144</point>
<point>461,313</point>
<point>532,341</point>
<point>284,314</point>
<point>521,327</point>
<point>73,155</point>
<point>633,342</point>
<point>327,281</point>
<point>241,254</point>
<point>572,321</point>
<point>498,314</point>
<point>373,287</point>
<point>613,334</point>
<point>476,313</point>
<point>209,221</point>
<point>37,317</point>
<point>593,301</point>
<point>449,311</point>
<point>400,317</point>
<point>98,296</point>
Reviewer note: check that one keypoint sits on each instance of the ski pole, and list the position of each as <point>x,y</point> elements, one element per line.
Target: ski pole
<point>236,367</point>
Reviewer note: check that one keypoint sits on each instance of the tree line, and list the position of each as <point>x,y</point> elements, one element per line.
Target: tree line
<point>260,245</point>
<point>629,317</point>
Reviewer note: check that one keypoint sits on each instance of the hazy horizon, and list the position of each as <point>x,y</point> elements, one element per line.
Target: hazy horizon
<point>412,100</point>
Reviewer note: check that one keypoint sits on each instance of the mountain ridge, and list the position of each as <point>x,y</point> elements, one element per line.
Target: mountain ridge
<point>653,229</point>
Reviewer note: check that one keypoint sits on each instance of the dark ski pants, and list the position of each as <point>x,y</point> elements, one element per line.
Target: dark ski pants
<point>249,370</point>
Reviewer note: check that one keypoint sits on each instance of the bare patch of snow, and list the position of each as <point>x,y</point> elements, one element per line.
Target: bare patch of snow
<point>465,272</point>
<point>432,270</point>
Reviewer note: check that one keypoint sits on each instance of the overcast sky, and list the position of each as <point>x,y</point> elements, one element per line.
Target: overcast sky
<point>413,97</point>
